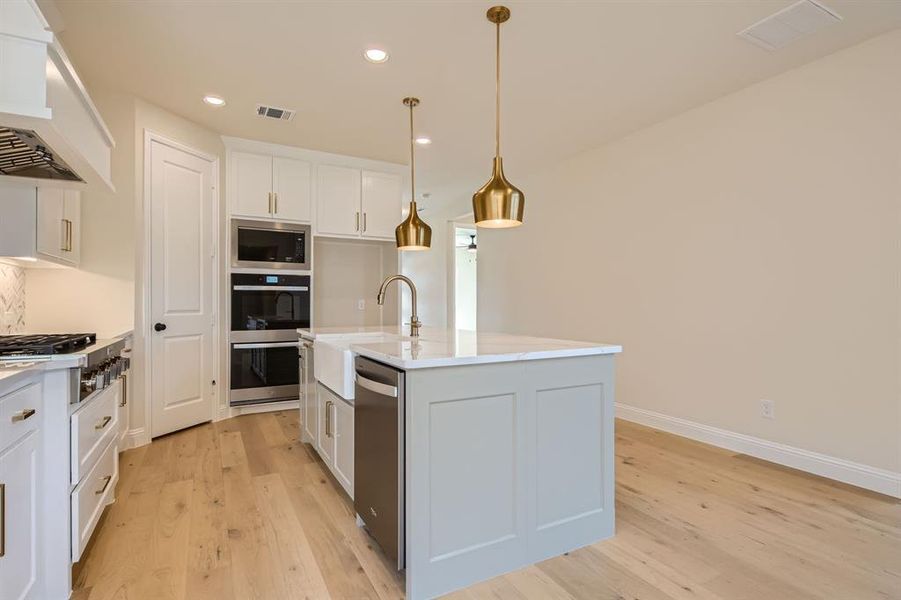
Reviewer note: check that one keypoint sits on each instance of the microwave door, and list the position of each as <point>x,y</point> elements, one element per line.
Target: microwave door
<point>270,245</point>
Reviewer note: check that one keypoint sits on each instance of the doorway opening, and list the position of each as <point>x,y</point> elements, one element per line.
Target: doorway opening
<point>465,277</point>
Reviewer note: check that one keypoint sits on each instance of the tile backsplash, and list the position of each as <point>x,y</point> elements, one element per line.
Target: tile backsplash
<point>12,299</point>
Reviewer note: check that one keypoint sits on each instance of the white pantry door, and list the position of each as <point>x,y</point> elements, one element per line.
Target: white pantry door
<point>182,305</point>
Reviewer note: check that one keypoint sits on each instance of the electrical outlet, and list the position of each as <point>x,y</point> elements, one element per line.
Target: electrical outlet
<point>767,409</point>
<point>361,304</point>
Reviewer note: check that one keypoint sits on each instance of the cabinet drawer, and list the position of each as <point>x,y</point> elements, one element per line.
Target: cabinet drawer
<point>96,490</point>
<point>93,426</point>
<point>20,412</point>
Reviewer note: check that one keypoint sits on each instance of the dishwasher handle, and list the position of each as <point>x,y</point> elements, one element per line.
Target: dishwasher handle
<point>374,386</point>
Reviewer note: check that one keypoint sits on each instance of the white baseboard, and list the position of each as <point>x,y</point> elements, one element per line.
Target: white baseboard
<point>867,477</point>
<point>136,437</point>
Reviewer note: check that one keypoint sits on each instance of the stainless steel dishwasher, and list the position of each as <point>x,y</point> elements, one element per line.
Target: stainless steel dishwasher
<point>379,454</point>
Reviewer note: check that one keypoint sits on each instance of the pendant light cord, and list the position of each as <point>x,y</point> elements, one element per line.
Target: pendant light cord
<point>412,159</point>
<point>497,93</point>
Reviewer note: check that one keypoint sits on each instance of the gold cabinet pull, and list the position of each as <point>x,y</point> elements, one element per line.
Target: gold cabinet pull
<point>68,235</point>
<point>103,423</point>
<point>64,231</point>
<point>364,222</point>
<point>357,226</point>
<point>2,519</point>
<point>275,201</point>
<point>106,481</point>
<point>270,202</point>
<point>23,414</point>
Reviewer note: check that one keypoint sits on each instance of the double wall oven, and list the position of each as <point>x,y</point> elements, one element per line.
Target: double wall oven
<point>266,311</point>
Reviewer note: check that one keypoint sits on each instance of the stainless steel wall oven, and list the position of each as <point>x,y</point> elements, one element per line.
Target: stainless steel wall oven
<point>266,311</point>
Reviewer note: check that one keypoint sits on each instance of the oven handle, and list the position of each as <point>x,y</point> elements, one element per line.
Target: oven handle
<point>265,345</point>
<point>263,288</point>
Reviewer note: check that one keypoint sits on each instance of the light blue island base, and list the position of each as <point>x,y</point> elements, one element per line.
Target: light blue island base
<point>507,464</point>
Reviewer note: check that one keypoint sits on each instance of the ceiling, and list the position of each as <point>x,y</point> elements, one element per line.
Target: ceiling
<point>575,74</point>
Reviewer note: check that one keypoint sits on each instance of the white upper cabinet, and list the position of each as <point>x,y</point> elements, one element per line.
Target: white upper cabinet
<point>252,189</point>
<point>291,188</point>
<point>340,196</point>
<point>41,224</point>
<point>72,219</point>
<point>355,203</point>
<point>51,226</point>
<point>338,201</point>
<point>267,187</point>
<point>382,194</point>
<point>59,225</point>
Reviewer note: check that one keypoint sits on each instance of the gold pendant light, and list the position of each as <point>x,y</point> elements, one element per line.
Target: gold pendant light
<point>498,203</point>
<point>413,233</point>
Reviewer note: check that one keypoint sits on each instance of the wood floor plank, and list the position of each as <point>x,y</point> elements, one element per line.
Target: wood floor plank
<point>382,572</point>
<point>209,559</point>
<point>290,547</point>
<point>240,509</point>
<point>343,573</point>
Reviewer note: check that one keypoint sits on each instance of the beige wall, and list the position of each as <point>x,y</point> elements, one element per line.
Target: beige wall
<point>743,250</point>
<point>347,271</point>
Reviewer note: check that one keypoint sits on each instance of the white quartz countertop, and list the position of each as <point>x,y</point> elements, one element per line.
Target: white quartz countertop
<point>438,347</point>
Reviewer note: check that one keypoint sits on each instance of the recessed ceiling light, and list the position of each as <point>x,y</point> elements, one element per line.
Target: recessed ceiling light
<point>375,55</point>
<point>214,100</point>
<point>423,141</point>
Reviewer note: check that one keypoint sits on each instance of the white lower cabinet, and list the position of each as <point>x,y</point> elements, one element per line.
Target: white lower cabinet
<point>21,414</point>
<point>91,495</point>
<point>94,462</point>
<point>310,415</point>
<point>19,527</point>
<point>344,445</point>
<point>93,426</point>
<point>325,442</point>
<point>335,438</point>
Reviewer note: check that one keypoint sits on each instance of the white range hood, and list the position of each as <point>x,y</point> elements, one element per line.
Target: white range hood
<point>47,117</point>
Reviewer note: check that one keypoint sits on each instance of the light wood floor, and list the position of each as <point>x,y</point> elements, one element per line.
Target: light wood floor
<point>240,510</point>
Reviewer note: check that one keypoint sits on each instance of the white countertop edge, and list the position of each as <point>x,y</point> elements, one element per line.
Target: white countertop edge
<point>457,361</point>
<point>10,377</point>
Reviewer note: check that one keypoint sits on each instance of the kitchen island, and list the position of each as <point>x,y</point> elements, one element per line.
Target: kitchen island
<point>506,448</point>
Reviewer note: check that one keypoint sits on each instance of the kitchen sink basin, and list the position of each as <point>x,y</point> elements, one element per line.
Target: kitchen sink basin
<point>333,366</point>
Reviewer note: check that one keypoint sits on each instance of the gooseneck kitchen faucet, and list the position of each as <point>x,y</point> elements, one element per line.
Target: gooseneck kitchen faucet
<point>415,323</point>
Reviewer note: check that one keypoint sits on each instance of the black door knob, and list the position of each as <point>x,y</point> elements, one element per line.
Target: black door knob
<point>160,326</point>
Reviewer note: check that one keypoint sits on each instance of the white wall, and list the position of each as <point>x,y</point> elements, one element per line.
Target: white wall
<point>745,249</point>
<point>465,305</point>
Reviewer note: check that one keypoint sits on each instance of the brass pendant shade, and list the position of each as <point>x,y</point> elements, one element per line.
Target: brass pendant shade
<point>498,204</point>
<point>413,233</point>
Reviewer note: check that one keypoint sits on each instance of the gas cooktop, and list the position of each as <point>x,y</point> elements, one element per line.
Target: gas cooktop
<point>44,344</point>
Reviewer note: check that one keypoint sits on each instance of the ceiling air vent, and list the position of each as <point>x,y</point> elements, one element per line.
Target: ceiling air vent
<point>789,24</point>
<point>273,112</point>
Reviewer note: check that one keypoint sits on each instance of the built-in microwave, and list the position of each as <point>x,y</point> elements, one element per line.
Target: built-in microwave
<point>270,245</point>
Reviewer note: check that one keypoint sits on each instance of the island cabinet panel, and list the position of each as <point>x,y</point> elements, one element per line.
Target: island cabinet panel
<point>507,464</point>
<point>571,462</point>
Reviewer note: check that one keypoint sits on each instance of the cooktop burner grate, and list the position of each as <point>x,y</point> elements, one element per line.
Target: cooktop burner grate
<point>56,343</point>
